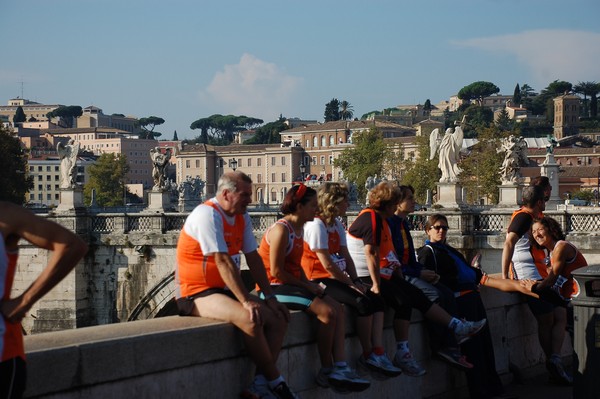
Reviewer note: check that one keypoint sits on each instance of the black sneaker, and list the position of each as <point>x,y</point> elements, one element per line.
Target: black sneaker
<point>455,358</point>
<point>557,371</point>
<point>283,391</point>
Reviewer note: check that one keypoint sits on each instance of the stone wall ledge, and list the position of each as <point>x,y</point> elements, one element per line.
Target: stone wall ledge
<point>197,357</point>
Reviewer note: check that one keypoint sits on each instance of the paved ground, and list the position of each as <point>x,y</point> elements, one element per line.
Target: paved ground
<point>539,388</point>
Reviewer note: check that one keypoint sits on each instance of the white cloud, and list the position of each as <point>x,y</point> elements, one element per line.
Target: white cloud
<point>252,87</point>
<point>549,54</point>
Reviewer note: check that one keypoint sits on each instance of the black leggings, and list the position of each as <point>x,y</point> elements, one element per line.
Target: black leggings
<point>402,296</point>
<point>364,304</point>
<point>13,375</point>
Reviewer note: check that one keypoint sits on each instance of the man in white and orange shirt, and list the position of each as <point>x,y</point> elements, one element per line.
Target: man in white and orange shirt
<point>67,249</point>
<point>209,283</point>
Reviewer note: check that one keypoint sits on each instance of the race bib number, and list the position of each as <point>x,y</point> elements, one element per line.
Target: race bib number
<point>339,261</point>
<point>392,260</point>
<point>386,272</point>
<point>237,259</point>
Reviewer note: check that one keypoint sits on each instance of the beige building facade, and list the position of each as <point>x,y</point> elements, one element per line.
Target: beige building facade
<point>106,140</point>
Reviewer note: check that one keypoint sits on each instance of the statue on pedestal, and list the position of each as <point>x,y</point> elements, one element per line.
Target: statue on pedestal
<point>448,147</point>
<point>159,167</point>
<point>68,160</point>
<point>515,156</point>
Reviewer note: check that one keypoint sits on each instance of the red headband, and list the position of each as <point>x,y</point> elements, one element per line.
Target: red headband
<point>300,192</point>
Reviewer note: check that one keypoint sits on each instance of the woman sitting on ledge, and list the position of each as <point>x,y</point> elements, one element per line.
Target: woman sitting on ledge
<point>281,250</point>
<point>455,273</point>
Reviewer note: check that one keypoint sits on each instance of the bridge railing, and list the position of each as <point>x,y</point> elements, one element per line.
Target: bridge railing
<point>480,222</point>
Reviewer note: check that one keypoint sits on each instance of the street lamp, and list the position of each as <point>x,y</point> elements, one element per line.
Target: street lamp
<point>233,164</point>
<point>302,169</point>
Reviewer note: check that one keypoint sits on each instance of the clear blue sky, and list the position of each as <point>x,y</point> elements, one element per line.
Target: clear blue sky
<point>186,59</point>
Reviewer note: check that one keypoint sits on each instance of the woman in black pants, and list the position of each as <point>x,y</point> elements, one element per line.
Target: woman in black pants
<point>454,271</point>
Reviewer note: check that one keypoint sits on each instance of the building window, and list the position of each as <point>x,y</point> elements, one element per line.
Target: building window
<point>259,162</point>
<point>197,163</point>
<point>273,180</point>
<point>322,159</point>
<point>331,160</point>
<point>307,143</point>
<point>314,161</point>
<point>249,162</point>
<point>283,177</point>
<point>187,163</point>
<point>322,141</point>
<point>259,178</point>
<point>314,141</point>
<point>273,196</point>
<point>282,161</point>
<point>331,140</point>
<point>272,161</point>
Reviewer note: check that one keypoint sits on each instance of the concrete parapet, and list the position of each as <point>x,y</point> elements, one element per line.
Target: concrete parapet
<point>182,357</point>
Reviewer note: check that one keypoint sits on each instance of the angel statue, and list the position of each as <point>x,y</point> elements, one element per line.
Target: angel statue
<point>159,167</point>
<point>515,156</point>
<point>449,151</point>
<point>68,160</point>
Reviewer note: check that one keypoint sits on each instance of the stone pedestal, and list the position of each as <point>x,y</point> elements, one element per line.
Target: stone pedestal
<point>158,201</point>
<point>450,195</point>
<point>550,169</point>
<point>187,205</point>
<point>510,195</point>
<point>71,199</point>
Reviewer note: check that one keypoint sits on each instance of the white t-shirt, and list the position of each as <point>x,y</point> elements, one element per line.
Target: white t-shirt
<point>205,224</point>
<point>316,234</point>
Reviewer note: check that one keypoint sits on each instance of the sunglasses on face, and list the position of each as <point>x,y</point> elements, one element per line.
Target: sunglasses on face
<point>438,228</point>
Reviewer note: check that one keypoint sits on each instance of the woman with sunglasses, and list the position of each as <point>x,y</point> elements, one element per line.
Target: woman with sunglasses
<point>428,281</point>
<point>326,260</point>
<point>281,250</point>
<point>370,245</point>
<point>455,273</point>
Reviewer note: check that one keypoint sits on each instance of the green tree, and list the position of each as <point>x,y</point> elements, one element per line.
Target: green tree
<point>346,111</point>
<point>148,124</point>
<point>589,89</point>
<point>477,91</point>
<point>543,104</point>
<point>503,121</point>
<point>427,107</point>
<point>365,159</point>
<point>584,194</point>
<point>420,172</point>
<point>219,129</point>
<point>527,96</point>
<point>332,110</point>
<point>481,168</point>
<point>15,181</point>
<point>19,116</point>
<point>269,133</point>
<point>175,138</point>
<point>517,99</point>
<point>107,177</point>
<point>66,115</point>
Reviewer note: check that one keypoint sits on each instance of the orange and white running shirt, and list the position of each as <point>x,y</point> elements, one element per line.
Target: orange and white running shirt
<point>207,231</point>
<point>566,286</point>
<point>317,235</point>
<point>11,339</point>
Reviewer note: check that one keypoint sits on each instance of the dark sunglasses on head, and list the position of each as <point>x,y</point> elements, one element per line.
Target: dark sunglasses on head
<point>438,228</point>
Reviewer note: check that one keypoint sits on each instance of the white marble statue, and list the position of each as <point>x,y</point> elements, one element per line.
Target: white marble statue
<point>448,147</point>
<point>68,161</point>
<point>159,167</point>
<point>515,156</point>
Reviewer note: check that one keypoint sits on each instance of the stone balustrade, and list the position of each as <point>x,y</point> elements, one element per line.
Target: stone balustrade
<point>183,357</point>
